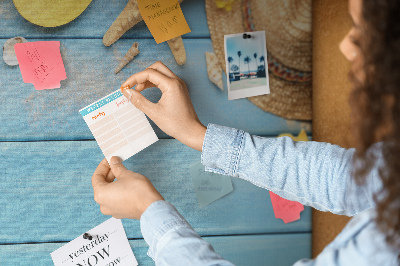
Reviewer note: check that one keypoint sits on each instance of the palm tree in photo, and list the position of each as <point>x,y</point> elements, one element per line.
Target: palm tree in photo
<point>239,55</point>
<point>262,59</point>
<point>255,58</point>
<point>247,60</point>
<point>230,60</point>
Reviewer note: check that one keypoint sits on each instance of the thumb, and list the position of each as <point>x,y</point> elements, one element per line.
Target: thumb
<point>138,100</point>
<point>116,166</point>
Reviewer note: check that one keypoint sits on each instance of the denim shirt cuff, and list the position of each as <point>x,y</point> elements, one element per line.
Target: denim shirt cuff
<point>222,148</point>
<point>158,219</point>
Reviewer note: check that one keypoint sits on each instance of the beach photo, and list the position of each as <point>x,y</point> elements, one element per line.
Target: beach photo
<point>246,64</point>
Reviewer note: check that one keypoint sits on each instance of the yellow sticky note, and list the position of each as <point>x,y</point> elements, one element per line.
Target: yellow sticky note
<point>301,137</point>
<point>164,18</point>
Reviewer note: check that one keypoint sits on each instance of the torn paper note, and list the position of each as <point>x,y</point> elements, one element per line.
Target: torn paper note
<point>108,246</point>
<point>41,64</point>
<point>118,126</point>
<point>164,18</point>
<point>284,209</point>
<point>209,186</point>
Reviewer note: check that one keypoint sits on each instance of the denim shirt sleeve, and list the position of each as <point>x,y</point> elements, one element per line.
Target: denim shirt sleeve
<point>172,241</point>
<point>312,173</point>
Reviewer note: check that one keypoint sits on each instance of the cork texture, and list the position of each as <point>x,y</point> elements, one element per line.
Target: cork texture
<point>331,89</point>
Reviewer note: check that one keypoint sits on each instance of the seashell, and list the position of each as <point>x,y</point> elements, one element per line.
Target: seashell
<point>128,18</point>
<point>132,52</point>
<point>8,50</point>
<point>178,49</point>
<point>214,70</point>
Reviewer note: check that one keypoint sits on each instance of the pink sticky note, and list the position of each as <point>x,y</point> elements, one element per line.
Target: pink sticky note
<point>41,64</point>
<point>284,209</point>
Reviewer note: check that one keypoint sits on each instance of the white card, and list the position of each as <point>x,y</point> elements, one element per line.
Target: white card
<point>246,64</point>
<point>118,126</point>
<point>109,246</point>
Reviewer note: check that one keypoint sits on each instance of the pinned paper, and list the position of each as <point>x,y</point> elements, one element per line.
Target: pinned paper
<point>287,210</point>
<point>164,18</point>
<point>41,64</point>
<point>284,209</point>
<point>209,186</point>
<point>108,246</point>
<point>118,126</point>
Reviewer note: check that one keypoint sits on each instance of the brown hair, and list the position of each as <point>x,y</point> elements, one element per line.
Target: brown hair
<point>375,103</point>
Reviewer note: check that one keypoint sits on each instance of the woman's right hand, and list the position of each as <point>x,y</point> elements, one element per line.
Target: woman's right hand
<point>174,112</point>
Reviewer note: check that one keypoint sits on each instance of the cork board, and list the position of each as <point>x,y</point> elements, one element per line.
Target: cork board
<point>331,89</point>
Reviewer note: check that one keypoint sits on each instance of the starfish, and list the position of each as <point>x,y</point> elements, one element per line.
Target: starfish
<point>131,16</point>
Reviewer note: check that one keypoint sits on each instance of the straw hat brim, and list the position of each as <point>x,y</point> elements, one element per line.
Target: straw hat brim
<point>289,68</point>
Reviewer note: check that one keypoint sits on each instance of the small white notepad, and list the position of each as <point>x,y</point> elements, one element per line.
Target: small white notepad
<point>118,126</point>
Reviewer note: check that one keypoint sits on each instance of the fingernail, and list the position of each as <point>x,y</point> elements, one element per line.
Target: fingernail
<point>115,160</point>
<point>128,94</point>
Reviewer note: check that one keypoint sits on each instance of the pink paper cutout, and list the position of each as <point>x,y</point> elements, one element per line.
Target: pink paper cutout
<point>41,64</point>
<point>288,211</point>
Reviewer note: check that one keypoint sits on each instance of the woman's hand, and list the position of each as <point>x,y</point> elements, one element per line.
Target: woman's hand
<point>127,197</point>
<point>174,112</point>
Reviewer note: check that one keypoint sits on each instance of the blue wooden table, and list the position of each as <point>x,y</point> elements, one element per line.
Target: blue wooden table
<point>48,154</point>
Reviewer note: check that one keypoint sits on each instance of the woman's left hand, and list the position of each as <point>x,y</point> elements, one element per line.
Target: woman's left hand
<point>128,197</point>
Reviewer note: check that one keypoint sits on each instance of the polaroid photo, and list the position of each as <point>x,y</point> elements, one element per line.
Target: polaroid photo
<point>246,64</point>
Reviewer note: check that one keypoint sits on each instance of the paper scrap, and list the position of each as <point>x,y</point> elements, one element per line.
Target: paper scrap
<point>301,137</point>
<point>284,209</point>
<point>118,126</point>
<point>209,186</point>
<point>164,18</point>
<point>109,246</point>
<point>41,64</point>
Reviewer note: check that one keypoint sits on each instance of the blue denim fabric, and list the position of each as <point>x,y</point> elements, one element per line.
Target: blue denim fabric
<point>312,173</point>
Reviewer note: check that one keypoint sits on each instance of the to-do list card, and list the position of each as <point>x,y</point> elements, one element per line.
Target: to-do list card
<point>118,126</point>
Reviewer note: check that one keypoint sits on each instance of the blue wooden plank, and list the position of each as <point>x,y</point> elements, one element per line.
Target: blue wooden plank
<point>46,193</point>
<point>277,250</point>
<point>94,22</point>
<point>27,114</point>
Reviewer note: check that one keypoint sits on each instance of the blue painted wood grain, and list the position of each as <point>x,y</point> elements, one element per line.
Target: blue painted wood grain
<point>46,193</point>
<point>27,114</point>
<point>95,20</point>
<point>277,250</point>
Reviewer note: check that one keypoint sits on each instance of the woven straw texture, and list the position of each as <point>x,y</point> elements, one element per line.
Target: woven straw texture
<point>287,25</point>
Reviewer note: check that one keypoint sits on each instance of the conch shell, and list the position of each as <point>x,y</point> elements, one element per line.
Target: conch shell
<point>214,70</point>
<point>128,18</point>
<point>132,52</point>
<point>8,50</point>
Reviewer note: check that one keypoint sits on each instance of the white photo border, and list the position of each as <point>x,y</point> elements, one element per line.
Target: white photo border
<point>248,92</point>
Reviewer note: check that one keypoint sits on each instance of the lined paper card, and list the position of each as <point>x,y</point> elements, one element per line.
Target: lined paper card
<point>118,126</point>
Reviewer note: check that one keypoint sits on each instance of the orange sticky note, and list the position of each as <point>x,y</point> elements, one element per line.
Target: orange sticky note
<point>164,18</point>
<point>41,64</point>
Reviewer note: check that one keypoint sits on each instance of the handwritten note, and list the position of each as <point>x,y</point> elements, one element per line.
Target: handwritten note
<point>41,64</point>
<point>109,246</point>
<point>118,126</point>
<point>284,209</point>
<point>288,211</point>
<point>164,18</point>
<point>209,186</point>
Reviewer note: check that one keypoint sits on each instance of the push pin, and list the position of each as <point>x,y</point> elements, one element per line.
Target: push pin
<point>87,236</point>
<point>246,36</point>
